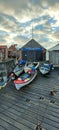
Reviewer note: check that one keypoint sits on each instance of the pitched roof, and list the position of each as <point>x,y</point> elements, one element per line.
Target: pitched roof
<point>55,47</point>
<point>12,48</point>
<point>3,46</point>
<point>32,44</point>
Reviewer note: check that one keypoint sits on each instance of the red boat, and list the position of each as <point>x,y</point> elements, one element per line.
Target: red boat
<point>25,78</point>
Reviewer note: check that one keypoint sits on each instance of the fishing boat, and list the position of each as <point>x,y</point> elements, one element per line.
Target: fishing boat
<point>33,64</point>
<point>36,65</point>
<point>45,68</point>
<point>27,77</point>
<point>17,70</point>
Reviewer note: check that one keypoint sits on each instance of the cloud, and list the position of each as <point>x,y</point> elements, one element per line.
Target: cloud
<point>18,17</point>
<point>56,35</point>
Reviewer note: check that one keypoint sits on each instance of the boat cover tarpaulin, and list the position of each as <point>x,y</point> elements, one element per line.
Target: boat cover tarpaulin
<point>36,49</point>
<point>22,62</point>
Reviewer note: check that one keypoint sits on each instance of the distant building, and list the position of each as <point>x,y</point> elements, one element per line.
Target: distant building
<point>12,51</point>
<point>54,54</point>
<point>33,51</point>
<point>3,52</point>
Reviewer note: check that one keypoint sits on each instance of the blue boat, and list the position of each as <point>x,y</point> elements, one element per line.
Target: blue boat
<point>45,68</point>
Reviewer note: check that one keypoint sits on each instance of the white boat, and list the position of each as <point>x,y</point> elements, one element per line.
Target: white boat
<point>44,69</point>
<point>36,65</point>
<point>16,72</point>
<point>18,69</point>
<point>33,64</point>
<point>27,77</point>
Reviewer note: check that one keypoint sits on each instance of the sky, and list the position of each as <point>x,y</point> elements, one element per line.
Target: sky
<point>22,20</point>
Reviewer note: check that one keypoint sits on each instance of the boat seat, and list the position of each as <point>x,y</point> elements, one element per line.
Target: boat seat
<point>25,76</point>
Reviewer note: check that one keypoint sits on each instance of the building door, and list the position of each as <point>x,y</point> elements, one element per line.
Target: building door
<point>54,57</point>
<point>57,57</point>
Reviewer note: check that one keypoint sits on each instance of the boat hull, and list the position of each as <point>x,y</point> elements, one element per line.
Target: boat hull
<point>44,72</point>
<point>20,85</point>
<point>45,69</point>
<point>36,65</point>
<point>16,72</point>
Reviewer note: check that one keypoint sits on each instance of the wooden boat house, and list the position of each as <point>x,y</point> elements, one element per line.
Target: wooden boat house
<point>53,55</point>
<point>12,51</point>
<point>33,51</point>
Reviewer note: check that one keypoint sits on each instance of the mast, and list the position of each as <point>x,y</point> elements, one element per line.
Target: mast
<point>32,31</point>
